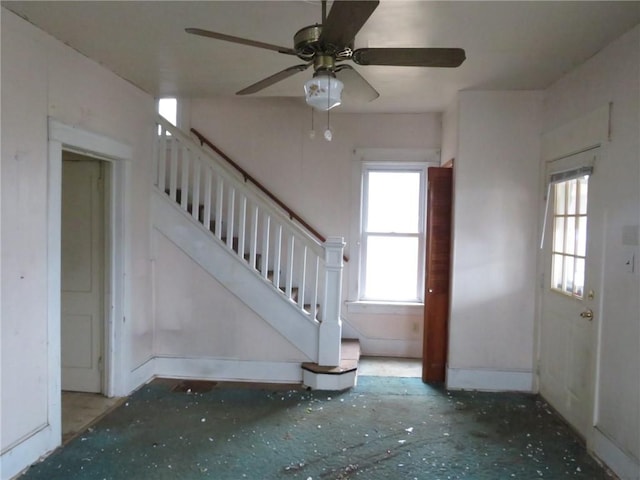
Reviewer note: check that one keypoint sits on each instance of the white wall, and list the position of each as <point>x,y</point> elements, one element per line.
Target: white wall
<point>197,317</point>
<point>270,139</point>
<point>450,132</point>
<point>494,247</point>
<point>40,78</point>
<point>613,76</point>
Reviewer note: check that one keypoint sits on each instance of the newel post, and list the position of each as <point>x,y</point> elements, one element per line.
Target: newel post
<point>331,326</point>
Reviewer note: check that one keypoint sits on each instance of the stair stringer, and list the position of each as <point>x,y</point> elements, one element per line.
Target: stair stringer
<point>256,292</point>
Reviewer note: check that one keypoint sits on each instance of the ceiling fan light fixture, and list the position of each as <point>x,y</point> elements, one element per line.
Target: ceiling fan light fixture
<point>323,92</point>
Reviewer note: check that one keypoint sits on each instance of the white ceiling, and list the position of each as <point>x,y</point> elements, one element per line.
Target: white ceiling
<point>509,45</point>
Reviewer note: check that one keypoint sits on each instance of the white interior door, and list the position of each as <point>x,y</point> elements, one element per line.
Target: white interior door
<point>82,316</point>
<point>570,292</point>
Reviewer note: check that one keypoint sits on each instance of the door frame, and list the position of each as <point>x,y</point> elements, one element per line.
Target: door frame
<point>587,132</point>
<point>118,157</point>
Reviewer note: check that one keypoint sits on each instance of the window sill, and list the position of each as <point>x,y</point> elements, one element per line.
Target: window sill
<point>385,308</point>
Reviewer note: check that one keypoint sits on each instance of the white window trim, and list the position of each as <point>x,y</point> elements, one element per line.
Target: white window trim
<point>394,157</point>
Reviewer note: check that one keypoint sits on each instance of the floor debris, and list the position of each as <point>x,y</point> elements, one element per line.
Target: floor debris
<point>383,428</point>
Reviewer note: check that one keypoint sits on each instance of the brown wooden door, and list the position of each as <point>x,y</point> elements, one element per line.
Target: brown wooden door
<point>438,274</point>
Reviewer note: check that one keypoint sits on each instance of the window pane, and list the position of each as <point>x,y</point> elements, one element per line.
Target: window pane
<point>572,191</point>
<point>556,272</point>
<point>582,237</point>
<point>560,197</point>
<point>570,240</point>
<point>583,185</point>
<point>393,202</point>
<point>558,235</point>
<point>391,268</point>
<point>168,108</point>
<point>568,274</point>
<point>578,278</point>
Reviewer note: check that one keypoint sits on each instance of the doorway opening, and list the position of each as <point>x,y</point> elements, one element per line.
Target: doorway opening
<point>115,159</point>
<point>84,296</point>
<point>390,367</point>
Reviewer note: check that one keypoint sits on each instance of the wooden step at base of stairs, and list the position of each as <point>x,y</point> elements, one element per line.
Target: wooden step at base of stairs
<point>341,377</point>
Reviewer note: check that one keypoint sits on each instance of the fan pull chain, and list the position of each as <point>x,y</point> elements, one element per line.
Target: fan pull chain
<point>312,132</point>
<point>328,134</point>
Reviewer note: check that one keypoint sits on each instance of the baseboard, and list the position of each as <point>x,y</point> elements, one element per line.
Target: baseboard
<point>142,374</point>
<point>228,370</point>
<point>382,347</point>
<point>622,464</point>
<point>28,451</point>
<point>489,380</point>
<point>375,347</point>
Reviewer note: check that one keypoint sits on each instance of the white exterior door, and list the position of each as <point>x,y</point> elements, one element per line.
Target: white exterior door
<point>82,319</point>
<point>570,289</point>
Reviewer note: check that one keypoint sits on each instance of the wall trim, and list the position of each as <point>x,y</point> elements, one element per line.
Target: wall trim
<point>119,155</point>
<point>88,143</point>
<point>142,374</point>
<point>22,455</point>
<point>383,347</point>
<point>621,463</point>
<point>490,380</point>
<point>221,369</point>
<point>585,132</point>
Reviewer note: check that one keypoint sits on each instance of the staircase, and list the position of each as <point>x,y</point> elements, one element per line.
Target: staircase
<point>276,266</point>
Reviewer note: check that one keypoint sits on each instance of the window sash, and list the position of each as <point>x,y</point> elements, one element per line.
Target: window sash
<point>403,275</point>
<point>365,234</point>
<point>569,230</point>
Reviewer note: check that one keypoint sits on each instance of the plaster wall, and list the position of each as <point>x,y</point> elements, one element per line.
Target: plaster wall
<point>43,78</point>
<point>494,247</point>
<point>270,138</point>
<point>196,316</point>
<point>613,75</point>
<point>450,132</point>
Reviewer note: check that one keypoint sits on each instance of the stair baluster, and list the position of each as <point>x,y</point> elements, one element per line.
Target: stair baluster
<point>254,228</point>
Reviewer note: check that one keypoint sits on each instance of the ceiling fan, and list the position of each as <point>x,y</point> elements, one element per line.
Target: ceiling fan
<point>327,45</point>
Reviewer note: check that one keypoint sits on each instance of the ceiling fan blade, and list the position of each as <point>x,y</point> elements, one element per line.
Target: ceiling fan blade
<point>410,57</point>
<point>267,82</point>
<point>345,20</point>
<point>241,41</point>
<point>356,86</point>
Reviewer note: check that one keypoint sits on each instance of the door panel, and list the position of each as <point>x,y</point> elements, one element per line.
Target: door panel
<point>438,265</point>
<point>567,362</point>
<point>82,281</point>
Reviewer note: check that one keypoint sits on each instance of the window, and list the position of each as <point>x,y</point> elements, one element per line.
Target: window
<point>168,108</point>
<point>569,247</point>
<point>392,232</point>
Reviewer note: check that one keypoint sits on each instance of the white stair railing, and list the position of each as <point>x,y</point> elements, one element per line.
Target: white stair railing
<point>304,271</point>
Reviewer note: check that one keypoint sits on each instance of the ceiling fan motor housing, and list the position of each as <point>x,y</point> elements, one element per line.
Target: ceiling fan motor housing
<point>306,41</point>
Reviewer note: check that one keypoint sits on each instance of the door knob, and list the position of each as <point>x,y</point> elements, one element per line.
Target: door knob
<point>588,314</point>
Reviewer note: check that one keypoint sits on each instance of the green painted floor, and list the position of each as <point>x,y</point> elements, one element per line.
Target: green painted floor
<point>385,428</point>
